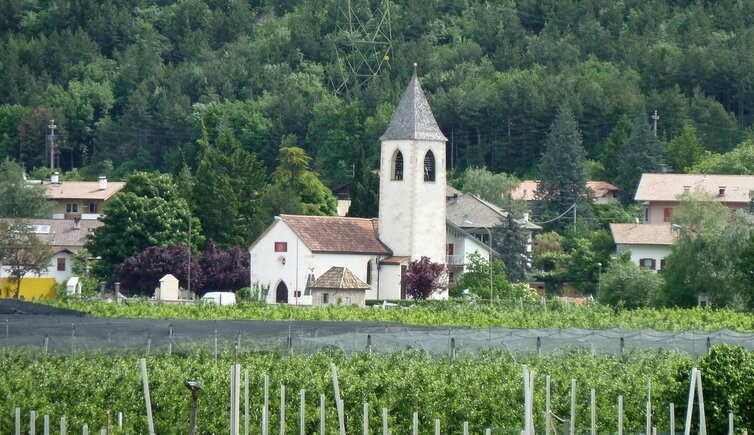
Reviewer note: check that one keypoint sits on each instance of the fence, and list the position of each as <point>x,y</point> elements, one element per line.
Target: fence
<point>66,334</point>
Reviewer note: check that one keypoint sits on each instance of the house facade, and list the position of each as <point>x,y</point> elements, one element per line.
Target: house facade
<point>412,223</point>
<point>80,199</point>
<point>649,243</point>
<point>66,238</point>
<point>660,194</point>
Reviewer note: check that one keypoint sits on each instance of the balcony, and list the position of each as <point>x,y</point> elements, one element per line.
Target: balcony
<point>454,260</point>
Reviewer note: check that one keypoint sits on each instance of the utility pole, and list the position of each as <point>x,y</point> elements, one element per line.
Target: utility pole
<point>655,118</point>
<point>51,139</point>
<point>189,256</point>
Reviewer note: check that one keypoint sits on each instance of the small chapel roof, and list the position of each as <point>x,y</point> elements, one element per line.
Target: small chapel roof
<point>413,119</point>
<point>339,278</point>
<point>337,234</point>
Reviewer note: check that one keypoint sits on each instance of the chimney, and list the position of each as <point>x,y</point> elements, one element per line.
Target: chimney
<point>686,190</point>
<point>102,182</point>
<point>77,223</point>
<point>55,178</point>
<point>455,198</point>
<point>721,191</point>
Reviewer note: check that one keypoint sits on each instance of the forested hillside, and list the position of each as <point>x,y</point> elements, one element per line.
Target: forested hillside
<point>129,81</point>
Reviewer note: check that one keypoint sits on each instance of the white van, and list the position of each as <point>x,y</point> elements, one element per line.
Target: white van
<point>220,298</point>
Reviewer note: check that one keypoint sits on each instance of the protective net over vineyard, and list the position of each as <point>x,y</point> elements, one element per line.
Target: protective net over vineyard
<point>66,334</point>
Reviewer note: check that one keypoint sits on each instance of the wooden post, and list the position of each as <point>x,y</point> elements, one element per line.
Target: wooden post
<point>62,425</point>
<point>338,402</point>
<point>547,405</point>
<point>322,414</point>
<point>282,410</point>
<point>32,422</point>
<point>385,430</point>
<point>672,418</point>
<point>366,418</point>
<point>620,415</point>
<point>302,411</point>
<point>416,423</point>
<point>246,402</point>
<point>572,426</point>
<point>690,403</point>
<point>18,421</point>
<point>147,400</point>
<point>700,396</point>
<point>265,408</point>
<point>46,426</point>
<point>594,412</point>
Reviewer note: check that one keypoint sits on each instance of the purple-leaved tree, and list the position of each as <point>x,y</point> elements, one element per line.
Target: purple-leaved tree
<point>141,274</point>
<point>226,269</point>
<point>424,277</point>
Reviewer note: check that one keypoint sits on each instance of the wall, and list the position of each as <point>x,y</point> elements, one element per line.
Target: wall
<point>267,266</point>
<point>412,211</point>
<point>59,209</point>
<point>390,282</point>
<point>346,297</point>
<point>31,289</point>
<point>51,271</point>
<point>657,252</point>
<point>657,209</point>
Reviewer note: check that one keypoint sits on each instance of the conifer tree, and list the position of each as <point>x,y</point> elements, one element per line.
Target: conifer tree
<point>641,154</point>
<point>365,192</point>
<point>510,240</point>
<point>227,182</point>
<point>563,173</point>
<point>614,146</point>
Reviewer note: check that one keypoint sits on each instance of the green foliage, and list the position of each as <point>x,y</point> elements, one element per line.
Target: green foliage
<point>511,241</point>
<point>483,389</point>
<point>364,191</point>
<point>147,212</point>
<point>704,256</point>
<point>491,187</point>
<point>563,176</point>
<point>739,161</point>
<point>224,190</point>
<point>642,154</point>
<point>293,172</point>
<point>455,312</point>
<point>424,278</point>
<point>476,278</point>
<point>19,199</point>
<point>728,382</point>
<point>683,151</point>
<point>626,284</point>
<point>615,146</point>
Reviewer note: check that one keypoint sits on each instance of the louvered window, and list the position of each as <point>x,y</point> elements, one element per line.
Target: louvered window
<point>398,166</point>
<point>429,166</point>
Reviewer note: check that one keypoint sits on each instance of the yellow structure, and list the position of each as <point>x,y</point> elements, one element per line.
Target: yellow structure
<point>31,289</point>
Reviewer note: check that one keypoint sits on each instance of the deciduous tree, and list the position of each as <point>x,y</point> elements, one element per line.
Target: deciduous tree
<point>141,274</point>
<point>22,252</point>
<point>425,277</point>
<point>19,199</point>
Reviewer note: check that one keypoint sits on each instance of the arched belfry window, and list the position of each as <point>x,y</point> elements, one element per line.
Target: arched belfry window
<point>398,166</point>
<point>429,166</point>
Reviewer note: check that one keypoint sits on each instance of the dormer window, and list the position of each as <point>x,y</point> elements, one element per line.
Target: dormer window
<point>398,166</point>
<point>429,166</point>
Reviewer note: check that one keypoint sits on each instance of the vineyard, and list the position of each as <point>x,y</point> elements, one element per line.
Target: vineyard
<point>446,313</point>
<point>485,390</point>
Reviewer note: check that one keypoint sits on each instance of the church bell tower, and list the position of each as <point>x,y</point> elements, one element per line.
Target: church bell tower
<point>412,180</point>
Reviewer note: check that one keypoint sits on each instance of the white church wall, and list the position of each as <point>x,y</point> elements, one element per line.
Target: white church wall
<point>268,267</point>
<point>390,282</point>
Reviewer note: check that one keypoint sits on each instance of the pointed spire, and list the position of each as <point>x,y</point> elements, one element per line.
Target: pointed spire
<point>413,119</point>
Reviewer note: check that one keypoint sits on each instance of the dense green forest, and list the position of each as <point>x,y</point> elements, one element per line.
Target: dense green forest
<point>129,82</point>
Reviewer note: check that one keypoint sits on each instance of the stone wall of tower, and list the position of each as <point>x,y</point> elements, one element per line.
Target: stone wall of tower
<point>412,211</point>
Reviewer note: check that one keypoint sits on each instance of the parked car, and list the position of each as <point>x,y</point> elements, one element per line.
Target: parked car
<point>220,298</point>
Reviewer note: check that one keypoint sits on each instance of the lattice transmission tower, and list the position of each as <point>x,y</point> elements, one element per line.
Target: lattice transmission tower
<point>363,44</point>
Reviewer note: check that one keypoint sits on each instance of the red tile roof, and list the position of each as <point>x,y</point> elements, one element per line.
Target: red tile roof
<point>670,187</point>
<point>337,234</point>
<point>525,191</point>
<point>642,234</point>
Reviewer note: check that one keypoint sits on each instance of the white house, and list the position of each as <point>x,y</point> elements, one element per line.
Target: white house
<point>66,236</point>
<point>412,219</point>
<point>649,243</point>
